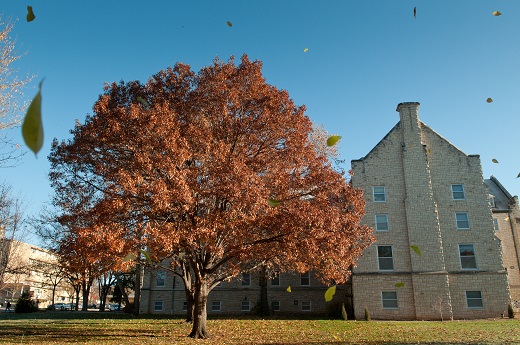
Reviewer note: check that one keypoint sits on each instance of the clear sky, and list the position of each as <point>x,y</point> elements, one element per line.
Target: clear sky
<point>364,57</point>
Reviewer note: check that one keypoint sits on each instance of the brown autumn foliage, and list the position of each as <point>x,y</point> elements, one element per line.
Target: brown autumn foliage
<point>184,165</point>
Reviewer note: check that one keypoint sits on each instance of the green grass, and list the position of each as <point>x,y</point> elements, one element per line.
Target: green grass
<point>115,328</point>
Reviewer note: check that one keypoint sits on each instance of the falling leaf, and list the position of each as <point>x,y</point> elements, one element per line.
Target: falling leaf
<point>332,140</point>
<point>129,257</point>
<point>329,294</point>
<point>146,255</point>
<point>306,50</point>
<point>32,128</point>
<point>494,161</point>
<point>506,218</point>
<point>489,100</point>
<point>428,151</point>
<point>143,101</point>
<point>497,13</point>
<point>399,285</point>
<point>229,23</point>
<point>288,289</point>
<point>416,249</point>
<point>30,14</point>
<point>415,12</point>
<point>517,176</point>
<point>273,202</point>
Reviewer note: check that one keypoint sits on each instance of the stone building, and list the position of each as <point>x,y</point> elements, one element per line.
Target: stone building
<point>436,254</point>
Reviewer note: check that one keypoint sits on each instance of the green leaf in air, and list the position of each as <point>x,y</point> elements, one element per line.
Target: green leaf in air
<point>129,257</point>
<point>143,102</point>
<point>146,255</point>
<point>489,100</point>
<point>32,128</point>
<point>399,285</point>
<point>306,50</point>
<point>329,294</point>
<point>333,139</point>
<point>416,249</point>
<point>229,23</point>
<point>30,14</point>
<point>494,161</point>
<point>273,202</point>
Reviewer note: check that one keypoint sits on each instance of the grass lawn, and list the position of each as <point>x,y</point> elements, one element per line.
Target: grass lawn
<point>114,328</point>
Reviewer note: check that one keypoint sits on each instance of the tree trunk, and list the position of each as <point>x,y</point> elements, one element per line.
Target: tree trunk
<point>86,291</point>
<point>137,289</point>
<point>264,302</point>
<point>190,301</point>
<point>122,289</point>
<point>199,330</point>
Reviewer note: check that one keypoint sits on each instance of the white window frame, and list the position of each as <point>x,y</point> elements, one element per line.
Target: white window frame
<point>458,192</point>
<point>246,279</point>
<point>306,306</point>
<point>496,227</point>
<point>377,222</point>
<point>379,193</point>
<point>383,299</point>
<point>305,277</point>
<point>385,258</point>
<point>158,305</point>
<point>481,306</point>
<point>460,223</point>
<point>468,256</point>
<point>275,305</point>
<point>160,278</point>
<point>216,306</point>
<point>492,201</point>
<point>245,306</point>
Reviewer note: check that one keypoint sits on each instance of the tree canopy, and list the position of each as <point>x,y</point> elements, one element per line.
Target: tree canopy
<point>215,170</point>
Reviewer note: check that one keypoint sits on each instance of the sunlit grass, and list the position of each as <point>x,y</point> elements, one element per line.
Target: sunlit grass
<point>101,328</point>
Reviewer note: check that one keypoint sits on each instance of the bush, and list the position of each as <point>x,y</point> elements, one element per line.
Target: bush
<point>343,312</point>
<point>367,314</point>
<point>128,308</point>
<point>25,304</point>
<point>510,311</point>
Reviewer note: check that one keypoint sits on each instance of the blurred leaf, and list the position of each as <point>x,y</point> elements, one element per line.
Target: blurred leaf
<point>229,23</point>
<point>30,14</point>
<point>306,50</point>
<point>494,161</point>
<point>143,101</point>
<point>497,13</point>
<point>146,255</point>
<point>288,289</point>
<point>428,151</point>
<point>129,257</point>
<point>416,250</point>
<point>506,218</point>
<point>329,294</point>
<point>415,12</point>
<point>399,285</point>
<point>32,128</point>
<point>489,100</point>
<point>333,139</point>
<point>273,202</point>
<point>517,176</point>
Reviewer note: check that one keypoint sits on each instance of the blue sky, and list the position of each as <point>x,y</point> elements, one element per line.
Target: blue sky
<point>364,57</point>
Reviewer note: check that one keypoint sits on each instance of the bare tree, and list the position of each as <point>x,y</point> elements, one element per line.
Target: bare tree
<point>11,96</point>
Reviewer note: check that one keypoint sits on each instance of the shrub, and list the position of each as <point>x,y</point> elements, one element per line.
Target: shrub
<point>25,304</point>
<point>510,311</point>
<point>343,312</point>
<point>367,314</point>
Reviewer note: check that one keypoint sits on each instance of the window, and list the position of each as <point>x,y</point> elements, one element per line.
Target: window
<point>462,220</point>
<point>158,306</point>
<point>467,257</point>
<point>457,192</point>
<point>495,224</point>
<point>275,305</point>
<point>492,201</point>
<point>381,222</point>
<point>245,306</point>
<point>306,306</point>
<point>389,299</point>
<point>385,258</point>
<point>474,299</point>
<point>215,306</point>
<point>276,280</point>
<point>379,194</point>
<point>246,279</point>
<point>305,278</point>
<point>160,278</point>
<point>184,306</point>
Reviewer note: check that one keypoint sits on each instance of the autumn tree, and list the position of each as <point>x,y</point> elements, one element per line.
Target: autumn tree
<point>11,96</point>
<point>214,170</point>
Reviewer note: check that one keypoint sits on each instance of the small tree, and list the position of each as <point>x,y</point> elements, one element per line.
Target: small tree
<point>367,314</point>
<point>510,311</point>
<point>343,312</point>
<point>25,304</point>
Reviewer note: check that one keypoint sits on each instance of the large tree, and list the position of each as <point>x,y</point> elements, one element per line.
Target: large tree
<point>215,170</point>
